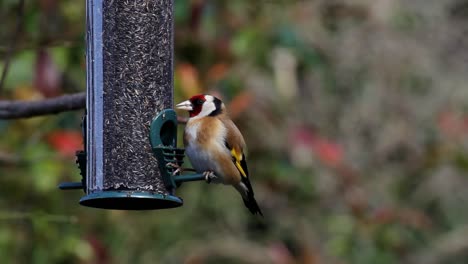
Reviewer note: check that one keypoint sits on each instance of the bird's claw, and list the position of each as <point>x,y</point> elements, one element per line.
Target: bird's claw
<point>209,176</point>
<point>176,166</point>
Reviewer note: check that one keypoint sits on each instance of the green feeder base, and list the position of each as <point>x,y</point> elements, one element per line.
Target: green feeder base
<point>130,200</point>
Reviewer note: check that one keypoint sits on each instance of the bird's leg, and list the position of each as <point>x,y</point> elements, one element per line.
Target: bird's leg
<point>178,168</point>
<point>209,176</point>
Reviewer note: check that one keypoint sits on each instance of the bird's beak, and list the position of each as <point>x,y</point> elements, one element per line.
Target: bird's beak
<point>185,105</point>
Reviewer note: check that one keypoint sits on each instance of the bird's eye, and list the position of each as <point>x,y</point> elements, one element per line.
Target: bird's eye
<point>199,102</point>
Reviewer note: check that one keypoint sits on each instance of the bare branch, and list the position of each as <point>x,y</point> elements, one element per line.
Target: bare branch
<point>23,109</point>
<point>8,159</point>
<point>14,41</point>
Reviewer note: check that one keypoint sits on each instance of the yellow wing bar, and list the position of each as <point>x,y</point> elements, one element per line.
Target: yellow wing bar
<point>238,157</point>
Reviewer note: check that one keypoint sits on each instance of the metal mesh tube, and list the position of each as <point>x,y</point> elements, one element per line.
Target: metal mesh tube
<point>129,65</point>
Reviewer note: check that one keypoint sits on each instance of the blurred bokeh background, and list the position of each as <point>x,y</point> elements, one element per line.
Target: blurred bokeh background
<point>355,114</point>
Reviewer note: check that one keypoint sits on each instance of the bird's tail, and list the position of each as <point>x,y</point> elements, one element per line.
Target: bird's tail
<point>252,205</point>
<point>248,198</point>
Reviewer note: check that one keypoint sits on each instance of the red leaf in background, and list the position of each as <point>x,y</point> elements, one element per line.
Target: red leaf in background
<point>66,142</point>
<point>240,104</point>
<point>48,5</point>
<point>196,11</point>
<point>327,151</point>
<point>414,218</point>
<point>302,136</point>
<point>47,78</point>
<point>384,215</point>
<point>189,79</point>
<point>300,146</point>
<point>222,48</point>
<point>447,123</point>
<point>452,124</point>
<point>217,71</point>
<point>280,254</point>
<point>101,254</point>
<point>405,216</point>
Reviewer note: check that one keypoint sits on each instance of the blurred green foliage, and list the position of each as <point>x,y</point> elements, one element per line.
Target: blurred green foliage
<point>355,114</point>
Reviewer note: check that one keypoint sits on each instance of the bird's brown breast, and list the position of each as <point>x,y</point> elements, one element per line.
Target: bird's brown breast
<point>209,135</point>
<point>202,131</point>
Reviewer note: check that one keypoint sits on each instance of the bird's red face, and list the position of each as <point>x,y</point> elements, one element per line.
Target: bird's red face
<point>197,104</point>
<point>201,105</point>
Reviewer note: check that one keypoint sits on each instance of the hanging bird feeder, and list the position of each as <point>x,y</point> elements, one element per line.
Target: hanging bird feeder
<point>129,127</point>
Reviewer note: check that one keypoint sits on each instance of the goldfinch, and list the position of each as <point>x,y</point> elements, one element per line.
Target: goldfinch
<point>215,146</point>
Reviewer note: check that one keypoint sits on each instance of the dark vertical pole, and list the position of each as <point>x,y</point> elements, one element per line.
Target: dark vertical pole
<point>129,79</point>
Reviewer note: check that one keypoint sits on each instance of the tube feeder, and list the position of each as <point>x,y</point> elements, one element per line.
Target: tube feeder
<point>129,59</point>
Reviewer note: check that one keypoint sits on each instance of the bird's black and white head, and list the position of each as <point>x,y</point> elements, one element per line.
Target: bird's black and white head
<point>202,105</point>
